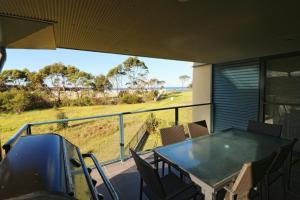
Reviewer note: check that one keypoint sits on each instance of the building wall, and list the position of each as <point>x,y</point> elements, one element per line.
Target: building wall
<point>202,79</point>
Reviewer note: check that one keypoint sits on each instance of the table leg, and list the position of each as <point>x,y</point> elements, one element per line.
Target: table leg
<point>209,194</point>
<point>156,161</point>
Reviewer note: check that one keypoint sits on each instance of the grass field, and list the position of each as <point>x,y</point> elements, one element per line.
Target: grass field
<point>100,136</point>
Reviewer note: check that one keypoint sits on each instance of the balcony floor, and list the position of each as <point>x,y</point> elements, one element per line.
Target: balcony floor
<point>125,179</point>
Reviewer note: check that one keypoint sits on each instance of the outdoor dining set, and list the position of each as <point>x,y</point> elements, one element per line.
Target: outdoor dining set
<point>227,164</point>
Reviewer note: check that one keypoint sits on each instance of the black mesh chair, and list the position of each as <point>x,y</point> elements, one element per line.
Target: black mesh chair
<point>263,128</point>
<point>167,187</point>
<point>280,168</point>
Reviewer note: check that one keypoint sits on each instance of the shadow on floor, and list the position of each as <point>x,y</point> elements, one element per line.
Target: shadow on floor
<point>125,179</point>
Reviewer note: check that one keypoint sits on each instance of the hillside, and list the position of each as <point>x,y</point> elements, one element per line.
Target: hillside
<point>99,136</point>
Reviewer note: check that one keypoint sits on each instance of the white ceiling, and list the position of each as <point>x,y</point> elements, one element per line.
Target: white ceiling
<point>193,30</point>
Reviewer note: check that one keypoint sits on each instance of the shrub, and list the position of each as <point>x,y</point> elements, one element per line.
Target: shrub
<point>17,101</point>
<point>122,93</point>
<point>150,96</point>
<point>38,100</point>
<point>152,123</point>
<point>61,115</point>
<point>14,100</point>
<point>131,98</point>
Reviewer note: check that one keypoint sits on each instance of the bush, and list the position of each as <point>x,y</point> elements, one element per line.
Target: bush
<point>131,98</point>
<point>122,93</point>
<point>37,101</point>
<point>150,96</point>
<point>17,101</point>
<point>152,123</point>
<point>61,125</point>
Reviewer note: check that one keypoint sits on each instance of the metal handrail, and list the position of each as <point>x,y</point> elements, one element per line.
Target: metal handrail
<point>7,146</point>
<point>105,179</point>
<point>115,114</point>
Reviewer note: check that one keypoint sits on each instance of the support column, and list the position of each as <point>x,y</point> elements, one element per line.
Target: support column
<point>202,92</point>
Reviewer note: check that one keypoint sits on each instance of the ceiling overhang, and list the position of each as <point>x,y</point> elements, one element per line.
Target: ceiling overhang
<point>192,30</point>
<point>24,33</point>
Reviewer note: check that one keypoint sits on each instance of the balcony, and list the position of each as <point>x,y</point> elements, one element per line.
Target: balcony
<point>118,167</point>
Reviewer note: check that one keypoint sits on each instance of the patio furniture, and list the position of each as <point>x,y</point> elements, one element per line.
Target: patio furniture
<point>247,184</point>
<point>197,129</point>
<point>264,128</point>
<point>169,136</point>
<point>213,161</point>
<point>172,135</point>
<point>167,187</point>
<point>279,168</point>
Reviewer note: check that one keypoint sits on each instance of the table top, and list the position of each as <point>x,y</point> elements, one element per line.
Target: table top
<point>214,158</point>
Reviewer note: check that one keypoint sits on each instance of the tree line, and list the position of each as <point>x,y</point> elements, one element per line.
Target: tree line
<point>52,85</point>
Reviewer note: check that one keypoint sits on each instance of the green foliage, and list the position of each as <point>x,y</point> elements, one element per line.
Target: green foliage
<point>14,100</point>
<point>14,77</point>
<point>131,98</point>
<point>101,84</point>
<point>60,85</point>
<point>137,72</point>
<point>115,75</point>
<point>149,96</point>
<point>17,101</point>
<point>184,79</point>
<point>152,123</point>
<point>62,125</point>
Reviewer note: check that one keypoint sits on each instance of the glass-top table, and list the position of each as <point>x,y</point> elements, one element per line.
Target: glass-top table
<point>213,161</point>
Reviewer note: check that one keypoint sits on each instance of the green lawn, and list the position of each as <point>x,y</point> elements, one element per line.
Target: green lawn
<point>100,136</point>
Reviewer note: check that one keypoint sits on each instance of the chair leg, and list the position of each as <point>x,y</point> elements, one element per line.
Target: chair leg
<point>290,165</point>
<point>267,190</point>
<point>141,189</point>
<point>163,168</point>
<point>284,186</point>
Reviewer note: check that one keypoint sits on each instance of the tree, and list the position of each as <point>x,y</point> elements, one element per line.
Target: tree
<point>161,83</point>
<point>183,79</point>
<point>56,75</point>
<point>153,83</point>
<point>101,83</point>
<point>15,100</point>
<point>137,72</point>
<point>115,76</point>
<point>78,79</point>
<point>14,77</point>
<point>35,81</point>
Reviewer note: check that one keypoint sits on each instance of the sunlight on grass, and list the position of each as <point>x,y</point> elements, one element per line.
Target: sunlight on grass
<point>100,136</point>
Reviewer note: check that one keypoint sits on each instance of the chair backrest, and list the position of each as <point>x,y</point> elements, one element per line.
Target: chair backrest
<point>197,129</point>
<point>252,174</point>
<point>172,135</point>
<point>263,128</point>
<point>149,175</point>
<point>281,157</point>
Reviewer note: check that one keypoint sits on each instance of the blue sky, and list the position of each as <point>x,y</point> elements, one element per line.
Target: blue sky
<point>95,63</point>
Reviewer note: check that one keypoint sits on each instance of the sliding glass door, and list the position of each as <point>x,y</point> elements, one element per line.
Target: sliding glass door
<point>282,94</point>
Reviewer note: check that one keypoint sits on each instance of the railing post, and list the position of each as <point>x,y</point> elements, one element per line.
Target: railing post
<point>28,130</point>
<point>121,128</point>
<point>176,116</point>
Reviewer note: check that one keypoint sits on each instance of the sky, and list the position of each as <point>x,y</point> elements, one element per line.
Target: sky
<point>96,63</point>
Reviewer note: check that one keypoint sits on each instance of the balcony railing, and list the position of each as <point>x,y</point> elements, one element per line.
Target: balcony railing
<point>26,129</point>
